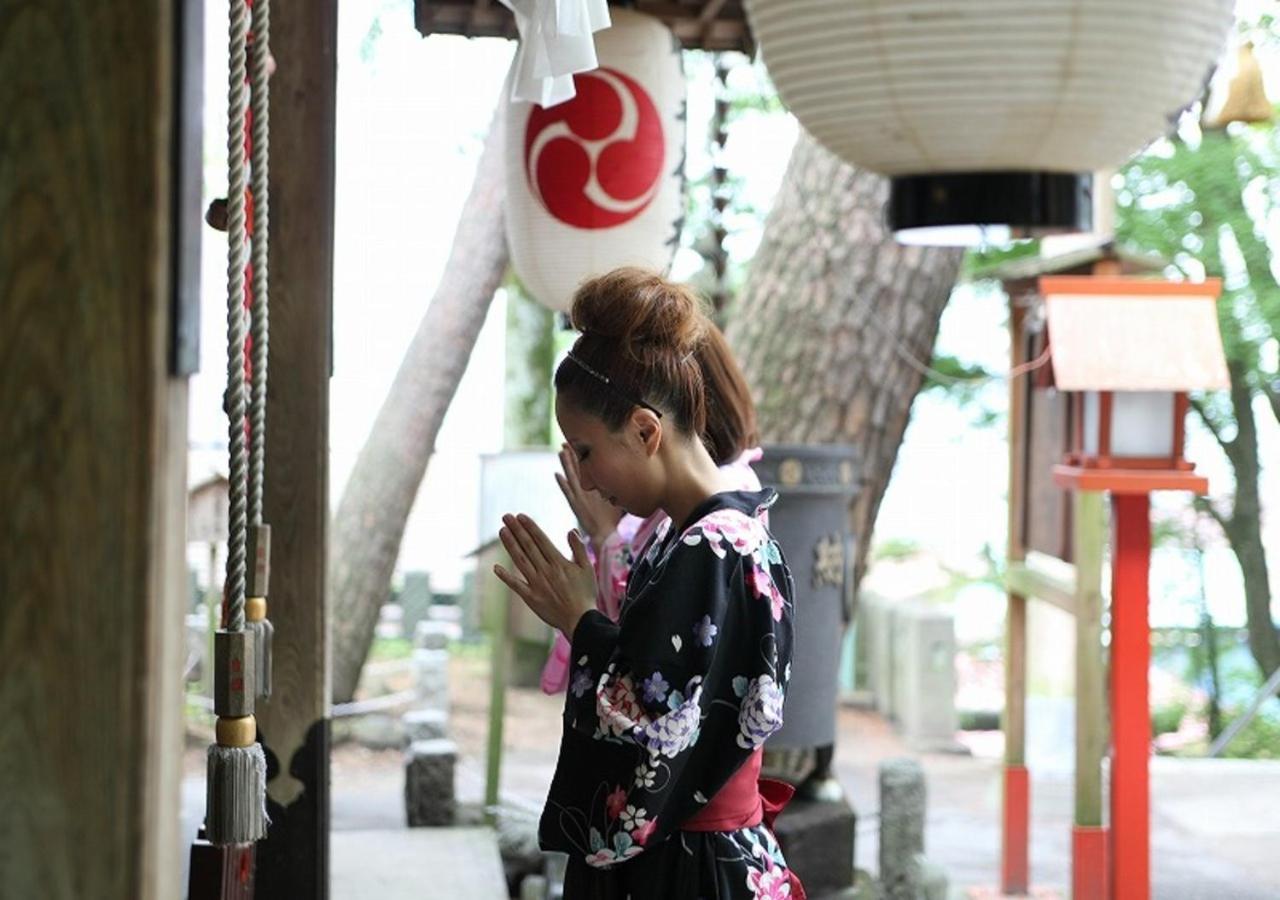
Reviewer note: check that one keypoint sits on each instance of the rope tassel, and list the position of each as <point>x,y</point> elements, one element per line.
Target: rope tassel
<point>236,811</point>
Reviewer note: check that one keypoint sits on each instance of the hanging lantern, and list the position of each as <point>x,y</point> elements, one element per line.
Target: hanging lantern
<point>985,113</point>
<point>597,182</point>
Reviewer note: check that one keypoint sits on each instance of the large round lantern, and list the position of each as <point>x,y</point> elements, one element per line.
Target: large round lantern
<point>597,182</point>
<point>988,112</point>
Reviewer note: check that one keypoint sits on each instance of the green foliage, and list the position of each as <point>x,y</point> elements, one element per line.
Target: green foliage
<point>1203,202</point>
<point>980,262</point>
<point>531,352</point>
<point>1260,739</point>
<point>748,93</point>
<point>895,549</point>
<point>1167,718</point>
<point>391,648</point>
<point>960,380</point>
<point>978,719</point>
<point>1206,201</point>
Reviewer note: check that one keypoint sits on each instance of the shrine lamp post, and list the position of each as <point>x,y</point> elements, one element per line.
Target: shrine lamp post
<point>1127,351</point>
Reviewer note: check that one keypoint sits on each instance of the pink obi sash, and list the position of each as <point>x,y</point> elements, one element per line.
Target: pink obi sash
<point>747,800</point>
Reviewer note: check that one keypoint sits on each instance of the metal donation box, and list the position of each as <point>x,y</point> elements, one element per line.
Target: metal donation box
<point>815,485</point>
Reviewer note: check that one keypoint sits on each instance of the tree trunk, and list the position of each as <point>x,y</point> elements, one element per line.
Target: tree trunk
<point>836,320</point>
<point>375,506</point>
<point>1244,527</point>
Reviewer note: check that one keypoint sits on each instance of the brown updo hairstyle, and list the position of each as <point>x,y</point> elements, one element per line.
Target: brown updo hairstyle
<point>731,413</point>
<point>650,338</point>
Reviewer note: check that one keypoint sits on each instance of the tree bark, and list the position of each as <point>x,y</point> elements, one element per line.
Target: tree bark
<point>375,505</point>
<point>1244,527</point>
<point>837,319</point>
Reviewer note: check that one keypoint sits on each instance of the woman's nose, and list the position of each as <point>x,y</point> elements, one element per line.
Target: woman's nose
<point>584,478</point>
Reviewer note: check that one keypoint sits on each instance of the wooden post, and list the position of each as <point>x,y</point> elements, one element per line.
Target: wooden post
<point>499,659</point>
<point>93,483</point>
<point>1088,837</point>
<point>1130,856</point>
<point>293,860</point>
<point>1015,819</point>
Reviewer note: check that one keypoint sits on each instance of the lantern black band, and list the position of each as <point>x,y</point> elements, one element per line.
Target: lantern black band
<point>1029,203</point>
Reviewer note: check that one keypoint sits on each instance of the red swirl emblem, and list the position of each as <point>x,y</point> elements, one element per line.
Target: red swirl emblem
<point>595,161</point>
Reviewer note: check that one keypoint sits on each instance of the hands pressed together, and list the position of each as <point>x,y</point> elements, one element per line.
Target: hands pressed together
<point>558,590</point>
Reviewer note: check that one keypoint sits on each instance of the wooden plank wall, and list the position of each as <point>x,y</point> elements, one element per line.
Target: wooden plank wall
<point>92,454</point>
<point>294,724</point>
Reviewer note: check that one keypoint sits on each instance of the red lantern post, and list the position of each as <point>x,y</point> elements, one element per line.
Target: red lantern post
<point>1127,350</point>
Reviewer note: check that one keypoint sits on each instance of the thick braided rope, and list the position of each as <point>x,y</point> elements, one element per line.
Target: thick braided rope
<point>233,616</point>
<point>258,79</point>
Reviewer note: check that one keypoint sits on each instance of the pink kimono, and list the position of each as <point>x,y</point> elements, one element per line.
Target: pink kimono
<point>613,561</point>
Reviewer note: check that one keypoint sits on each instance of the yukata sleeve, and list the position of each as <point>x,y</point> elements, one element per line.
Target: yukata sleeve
<point>612,564</point>
<point>692,689</point>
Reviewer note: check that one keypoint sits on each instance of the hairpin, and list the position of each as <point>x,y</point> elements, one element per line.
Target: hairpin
<point>609,382</point>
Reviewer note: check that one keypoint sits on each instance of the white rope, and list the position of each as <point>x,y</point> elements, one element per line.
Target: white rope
<point>236,105</point>
<point>258,78</point>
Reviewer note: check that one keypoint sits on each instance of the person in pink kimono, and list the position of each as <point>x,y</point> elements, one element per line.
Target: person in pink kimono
<point>615,539</point>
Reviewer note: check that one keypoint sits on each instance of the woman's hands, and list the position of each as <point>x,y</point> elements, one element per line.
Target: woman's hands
<point>597,517</point>
<point>558,590</point>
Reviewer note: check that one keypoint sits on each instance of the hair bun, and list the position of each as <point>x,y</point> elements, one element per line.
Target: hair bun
<point>639,309</point>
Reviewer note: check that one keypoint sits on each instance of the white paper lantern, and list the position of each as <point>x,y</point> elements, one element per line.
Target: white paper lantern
<point>597,182</point>
<point>1032,94</point>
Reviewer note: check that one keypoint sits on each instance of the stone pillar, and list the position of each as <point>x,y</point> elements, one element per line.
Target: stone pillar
<point>428,784</point>
<point>902,809</point>
<point>431,665</point>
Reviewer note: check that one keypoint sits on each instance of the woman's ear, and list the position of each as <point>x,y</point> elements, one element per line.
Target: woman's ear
<point>648,428</point>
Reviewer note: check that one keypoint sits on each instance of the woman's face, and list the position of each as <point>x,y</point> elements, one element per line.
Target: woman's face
<point>614,464</point>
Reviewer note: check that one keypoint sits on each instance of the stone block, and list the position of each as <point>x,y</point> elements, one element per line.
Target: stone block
<point>817,838</point>
<point>875,644</point>
<point>415,599</point>
<point>429,634</point>
<point>431,678</point>
<point>429,795</point>
<point>377,730</point>
<point>902,811</point>
<point>924,680</point>
<point>931,880</point>
<point>425,724</point>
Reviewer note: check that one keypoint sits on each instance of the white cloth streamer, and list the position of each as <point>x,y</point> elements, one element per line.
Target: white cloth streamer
<point>556,40</point>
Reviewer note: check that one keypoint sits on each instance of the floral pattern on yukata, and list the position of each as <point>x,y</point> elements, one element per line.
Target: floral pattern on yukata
<point>691,682</point>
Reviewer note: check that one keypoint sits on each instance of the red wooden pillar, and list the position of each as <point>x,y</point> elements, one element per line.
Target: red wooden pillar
<point>1130,855</point>
<point>1015,868</point>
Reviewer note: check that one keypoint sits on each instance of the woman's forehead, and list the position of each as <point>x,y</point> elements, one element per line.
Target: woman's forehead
<point>574,422</point>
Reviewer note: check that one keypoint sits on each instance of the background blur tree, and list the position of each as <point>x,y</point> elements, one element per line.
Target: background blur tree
<point>1209,202</point>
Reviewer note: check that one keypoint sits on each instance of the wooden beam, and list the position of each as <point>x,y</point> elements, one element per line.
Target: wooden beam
<point>1088,862</point>
<point>699,25</point>
<point>1015,805</point>
<point>293,861</point>
<point>93,484</point>
<point>1027,581</point>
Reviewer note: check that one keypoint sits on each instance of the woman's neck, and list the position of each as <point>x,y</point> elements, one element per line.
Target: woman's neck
<point>692,478</point>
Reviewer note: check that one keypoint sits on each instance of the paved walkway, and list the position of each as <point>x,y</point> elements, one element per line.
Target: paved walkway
<point>415,864</point>
<point>1215,824</point>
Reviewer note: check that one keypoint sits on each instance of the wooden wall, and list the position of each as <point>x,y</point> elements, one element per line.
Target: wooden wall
<point>294,724</point>
<point>92,454</point>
